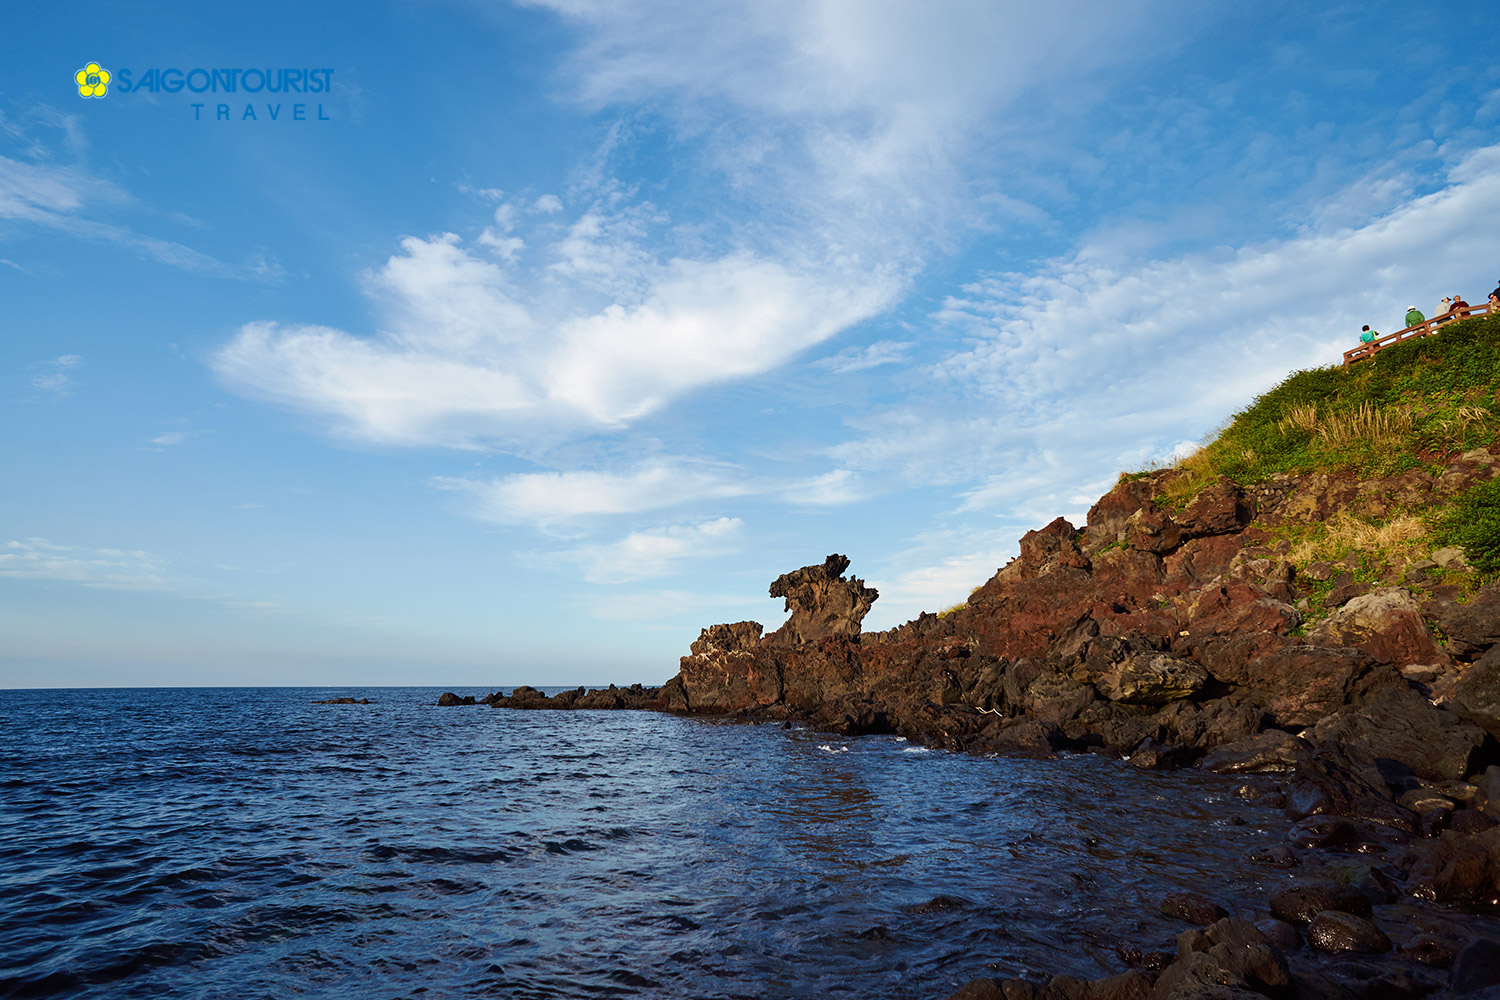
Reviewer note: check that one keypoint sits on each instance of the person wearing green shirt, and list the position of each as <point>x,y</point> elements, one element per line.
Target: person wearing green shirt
<point>1414,316</point>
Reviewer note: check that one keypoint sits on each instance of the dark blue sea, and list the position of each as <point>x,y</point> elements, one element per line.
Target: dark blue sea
<point>244,843</point>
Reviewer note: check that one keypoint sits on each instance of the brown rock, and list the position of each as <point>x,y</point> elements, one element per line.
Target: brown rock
<point>724,672</point>
<point>1384,623</point>
<point>1302,684</point>
<point>822,603</point>
<point>1464,868</point>
<point>1471,628</point>
<point>1153,680</point>
<point>1109,517</point>
<point>1219,509</point>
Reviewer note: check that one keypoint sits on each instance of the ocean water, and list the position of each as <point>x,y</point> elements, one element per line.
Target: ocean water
<point>243,843</point>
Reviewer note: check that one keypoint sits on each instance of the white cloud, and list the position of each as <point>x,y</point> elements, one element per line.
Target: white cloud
<point>113,569</point>
<point>71,198</point>
<point>466,362</point>
<point>658,551</point>
<point>170,439</point>
<point>934,587</point>
<point>858,359</point>
<point>53,379</point>
<point>838,134</point>
<point>547,498</point>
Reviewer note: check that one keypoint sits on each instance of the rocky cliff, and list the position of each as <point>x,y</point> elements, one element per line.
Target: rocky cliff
<point>1186,626</point>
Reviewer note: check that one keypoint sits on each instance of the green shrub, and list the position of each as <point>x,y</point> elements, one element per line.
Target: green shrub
<point>1472,522</point>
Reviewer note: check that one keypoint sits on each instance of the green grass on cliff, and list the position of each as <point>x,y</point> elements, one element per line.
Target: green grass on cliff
<point>1472,522</point>
<point>1416,405</point>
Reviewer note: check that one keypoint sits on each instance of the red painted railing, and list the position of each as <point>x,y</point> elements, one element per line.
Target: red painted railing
<point>1426,328</point>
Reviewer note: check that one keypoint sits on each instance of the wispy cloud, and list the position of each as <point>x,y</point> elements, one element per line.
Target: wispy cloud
<point>112,569</point>
<point>80,200</point>
<point>863,358</point>
<point>658,551</point>
<point>53,380</point>
<point>171,439</point>
<point>547,498</point>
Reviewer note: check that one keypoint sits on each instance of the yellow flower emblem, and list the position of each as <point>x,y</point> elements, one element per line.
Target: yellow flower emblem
<point>93,80</point>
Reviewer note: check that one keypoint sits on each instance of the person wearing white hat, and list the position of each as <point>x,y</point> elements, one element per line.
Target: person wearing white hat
<point>1414,316</point>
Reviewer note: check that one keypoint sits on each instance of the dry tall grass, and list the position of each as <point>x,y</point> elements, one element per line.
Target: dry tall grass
<point>1452,428</point>
<point>1375,424</point>
<point>1347,533</point>
<point>1303,417</point>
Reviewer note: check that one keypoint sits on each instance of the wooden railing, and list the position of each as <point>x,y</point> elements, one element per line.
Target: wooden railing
<point>1426,328</point>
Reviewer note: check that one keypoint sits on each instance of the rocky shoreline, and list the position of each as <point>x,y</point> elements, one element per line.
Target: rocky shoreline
<point>1361,696</point>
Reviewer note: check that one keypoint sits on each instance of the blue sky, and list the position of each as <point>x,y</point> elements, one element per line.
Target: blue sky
<point>574,324</point>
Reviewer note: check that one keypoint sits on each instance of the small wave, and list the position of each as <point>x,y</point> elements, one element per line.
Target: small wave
<point>832,749</point>
<point>916,749</point>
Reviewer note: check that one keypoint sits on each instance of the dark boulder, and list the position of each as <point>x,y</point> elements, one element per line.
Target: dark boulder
<point>1271,752</point>
<point>1430,949</point>
<point>1301,684</point>
<point>1333,782</point>
<point>1229,958</point>
<point>1335,930</point>
<point>1399,724</point>
<point>1476,695</point>
<point>1153,756</point>
<point>448,699</point>
<point>1299,904</point>
<point>1471,628</point>
<point>726,670</point>
<point>1152,680</point>
<point>1193,908</point>
<point>822,603</point>
<point>1461,868</point>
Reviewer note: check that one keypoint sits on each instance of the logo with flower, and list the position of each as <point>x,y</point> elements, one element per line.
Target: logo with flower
<point>93,80</point>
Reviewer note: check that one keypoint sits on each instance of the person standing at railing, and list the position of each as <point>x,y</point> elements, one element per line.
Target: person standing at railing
<point>1443,313</point>
<point>1459,306</point>
<point>1366,335</point>
<point>1414,316</point>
